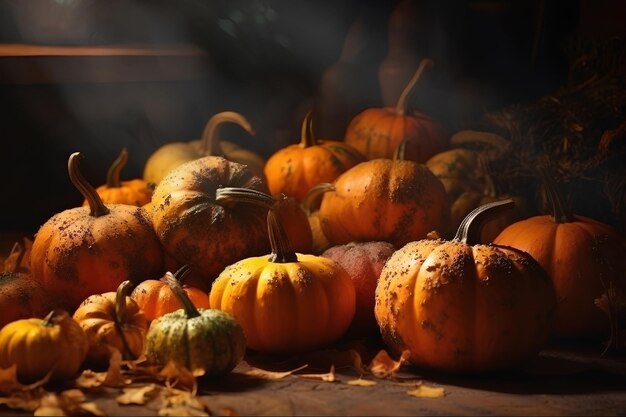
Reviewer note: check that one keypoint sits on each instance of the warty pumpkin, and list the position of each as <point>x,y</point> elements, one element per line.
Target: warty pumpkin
<point>294,169</point>
<point>376,132</point>
<point>91,250</point>
<point>205,341</point>
<point>53,347</point>
<point>286,302</point>
<point>112,321</point>
<point>463,307</point>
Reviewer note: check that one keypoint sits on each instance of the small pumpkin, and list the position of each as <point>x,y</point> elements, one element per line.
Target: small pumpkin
<point>205,340</point>
<point>583,256</point>
<point>201,232</point>
<point>173,154</point>
<point>376,132</point>
<point>53,347</point>
<point>294,169</point>
<point>462,307</point>
<point>136,192</point>
<point>91,250</point>
<point>112,321</point>
<point>156,298</point>
<point>392,200</point>
<point>286,302</point>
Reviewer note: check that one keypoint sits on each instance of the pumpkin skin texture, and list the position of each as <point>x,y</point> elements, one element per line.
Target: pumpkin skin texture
<point>55,344</point>
<point>396,201</point>
<point>196,230</point>
<point>91,250</point>
<point>293,170</point>
<point>464,308</point>
<point>205,339</point>
<point>112,320</point>
<point>364,262</point>
<point>286,302</point>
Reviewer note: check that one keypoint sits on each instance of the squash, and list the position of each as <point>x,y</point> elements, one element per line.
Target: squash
<point>136,192</point>
<point>286,302</point>
<point>583,256</point>
<point>156,298</point>
<point>173,154</point>
<point>461,307</point>
<point>376,132</point>
<point>112,321</point>
<point>205,341</point>
<point>91,250</point>
<point>294,169</point>
<point>53,347</point>
<point>396,201</point>
<point>197,230</point>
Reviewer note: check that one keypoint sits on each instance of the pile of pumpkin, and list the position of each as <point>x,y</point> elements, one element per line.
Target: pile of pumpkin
<point>394,231</point>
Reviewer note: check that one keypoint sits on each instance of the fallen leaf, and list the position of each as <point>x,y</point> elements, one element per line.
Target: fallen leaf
<point>26,401</point>
<point>175,402</point>
<point>424,391</point>
<point>176,375</point>
<point>138,395</point>
<point>327,377</point>
<point>382,366</point>
<point>361,382</point>
<point>67,403</point>
<point>339,358</point>
<point>271,375</point>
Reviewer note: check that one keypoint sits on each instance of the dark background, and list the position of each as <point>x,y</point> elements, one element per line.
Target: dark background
<point>265,59</point>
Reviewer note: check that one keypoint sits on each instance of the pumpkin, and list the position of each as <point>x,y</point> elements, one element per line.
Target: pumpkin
<point>286,302</point>
<point>392,200</point>
<point>197,230</point>
<point>310,204</point>
<point>376,132</point>
<point>206,340</point>
<point>112,321</point>
<point>583,256</point>
<point>462,307</point>
<point>21,297</point>
<point>363,261</point>
<point>136,192</point>
<point>294,169</point>
<point>156,298</point>
<point>91,250</point>
<point>173,154</point>
<point>53,347</point>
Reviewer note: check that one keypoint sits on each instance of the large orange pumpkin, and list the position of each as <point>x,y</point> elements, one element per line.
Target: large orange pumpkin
<point>377,132</point>
<point>91,250</point>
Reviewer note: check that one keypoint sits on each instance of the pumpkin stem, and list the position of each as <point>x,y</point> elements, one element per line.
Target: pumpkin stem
<point>113,174</point>
<point>281,247</point>
<point>190,310</point>
<point>96,206</point>
<point>54,317</point>
<point>229,196</point>
<point>210,143</point>
<point>469,229</point>
<point>560,214</point>
<point>307,137</point>
<point>402,101</point>
<point>181,273</point>
<point>18,249</point>
<point>311,200</point>
<point>399,153</point>
<point>120,311</point>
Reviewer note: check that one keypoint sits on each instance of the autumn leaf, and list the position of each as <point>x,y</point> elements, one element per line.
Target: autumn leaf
<point>270,375</point>
<point>113,377</point>
<point>327,377</point>
<point>425,391</point>
<point>361,382</point>
<point>382,366</point>
<point>175,402</point>
<point>138,395</point>
<point>67,403</point>
<point>26,401</point>
<point>176,375</point>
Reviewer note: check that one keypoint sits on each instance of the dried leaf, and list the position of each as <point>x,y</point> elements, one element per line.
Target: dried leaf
<point>113,377</point>
<point>425,391</point>
<point>26,401</point>
<point>177,375</point>
<point>382,366</point>
<point>327,377</point>
<point>67,403</point>
<point>361,382</point>
<point>323,359</point>
<point>271,375</point>
<point>138,395</point>
<point>181,403</point>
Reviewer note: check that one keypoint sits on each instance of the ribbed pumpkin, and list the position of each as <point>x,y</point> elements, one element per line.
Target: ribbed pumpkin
<point>392,200</point>
<point>112,321</point>
<point>91,250</point>
<point>156,298</point>
<point>198,339</point>
<point>462,307</point>
<point>53,347</point>
<point>136,192</point>
<point>286,302</point>
<point>584,258</point>
<point>293,170</point>
<point>376,132</point>
<point>197,230</point>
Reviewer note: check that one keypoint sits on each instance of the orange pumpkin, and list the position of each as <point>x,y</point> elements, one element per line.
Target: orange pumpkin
<point>463,307</point>
<point>136,192</point>
<point>377,132</point>
<point>293,170</point>
<point>156,298</point>
<point>91,250</point>
<point>584,258</point>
